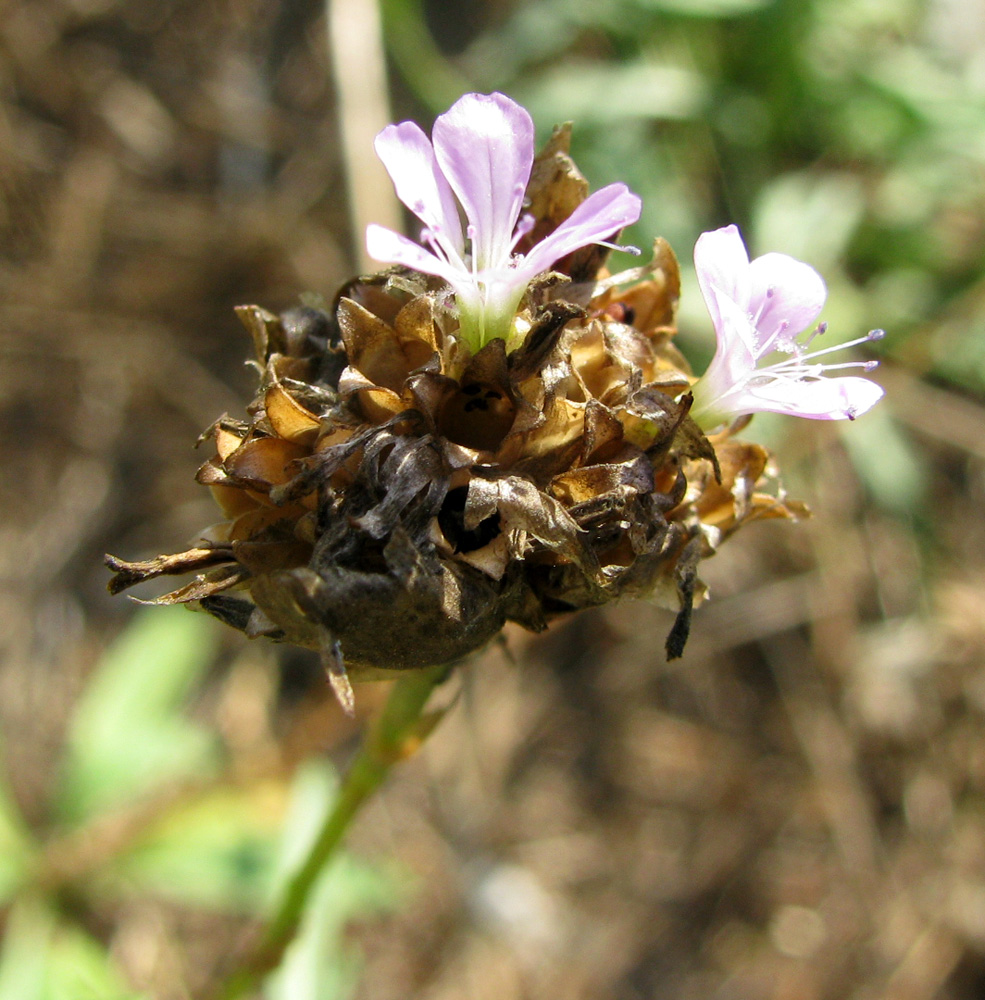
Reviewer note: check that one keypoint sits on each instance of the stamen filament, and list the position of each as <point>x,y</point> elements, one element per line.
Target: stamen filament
<point>782,327</point>
<point>841,347</point>
<point>635,251</point>
<point>793,365</point>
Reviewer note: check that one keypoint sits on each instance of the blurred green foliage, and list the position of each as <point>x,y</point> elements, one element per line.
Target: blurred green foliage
<point>46,958</point>
<point>127,732</point>
<point>209,843</point>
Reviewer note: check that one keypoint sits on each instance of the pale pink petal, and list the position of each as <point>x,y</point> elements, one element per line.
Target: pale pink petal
<point>385,245</point>
<point>786,297</point>
<point>819,399</point>
<point>600,216</point>
<point>408,156</point>
<point>484,145</point>
<point>722,264</point>
<point>735,334</point>
<point>731,367</point>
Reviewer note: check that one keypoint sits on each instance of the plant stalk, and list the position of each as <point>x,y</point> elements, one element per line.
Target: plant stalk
<point>394,735</point>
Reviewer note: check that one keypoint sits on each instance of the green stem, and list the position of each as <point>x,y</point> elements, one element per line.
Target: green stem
<point>393,736</point>
<point>434,79</point>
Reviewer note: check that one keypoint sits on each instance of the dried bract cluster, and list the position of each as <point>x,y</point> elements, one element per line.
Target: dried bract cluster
<point>393,499</point>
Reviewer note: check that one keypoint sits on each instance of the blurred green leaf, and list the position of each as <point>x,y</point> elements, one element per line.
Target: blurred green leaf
<point>16,847</point>
<point>233,849</point>
<point>601,94</point>
<point>929,90</point>
<point>81,969</point>
<point>128,733</point>
<point>217,852</point>
<point>44,959</point>
<point>435,81</point>
<point>534,32</point>
<point>811,217</point>
<point>319,965</point>
<point>27,944</point>
<point>313,793</point>
<point>706,8</point>
<point>886,462</point>
<point>957,344</point>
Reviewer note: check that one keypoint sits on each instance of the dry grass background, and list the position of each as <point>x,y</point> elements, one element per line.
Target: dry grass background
<point>795,810</point>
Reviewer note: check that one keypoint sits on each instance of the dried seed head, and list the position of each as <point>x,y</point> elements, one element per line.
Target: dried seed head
<point>395,499</point>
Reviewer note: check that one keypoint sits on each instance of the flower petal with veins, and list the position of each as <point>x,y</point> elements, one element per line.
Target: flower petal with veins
<point>818,399</point>
<point>385,244</point>
<point>408,156</point>
<point>785,295</point>
<point>484,145</point>
<point>600,215</point>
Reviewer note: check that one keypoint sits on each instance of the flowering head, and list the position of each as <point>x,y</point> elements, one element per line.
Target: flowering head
<point>479,160</point>
<point>760,309</point>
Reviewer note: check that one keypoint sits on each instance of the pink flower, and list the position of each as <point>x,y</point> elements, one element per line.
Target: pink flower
<point>760,309</point>
<point>480,161</point>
